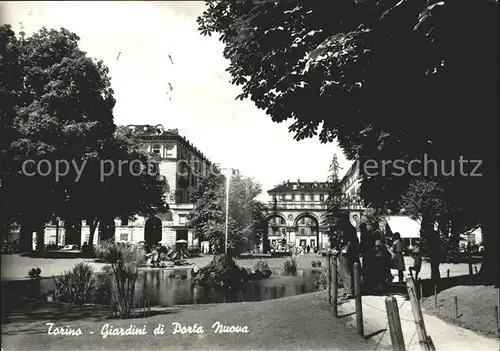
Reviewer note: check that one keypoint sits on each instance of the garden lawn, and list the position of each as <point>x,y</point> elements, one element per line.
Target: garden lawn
<point>17,266</point>
<point>292,323</point>
<point>476,307</point>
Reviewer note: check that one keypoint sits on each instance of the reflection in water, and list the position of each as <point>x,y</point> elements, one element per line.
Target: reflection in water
<point>174,287</point>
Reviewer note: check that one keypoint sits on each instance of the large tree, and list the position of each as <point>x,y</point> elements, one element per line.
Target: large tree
<point>247,216</point>
<point>123,183</point>
<point>57,107</point>
<point>388,79</point>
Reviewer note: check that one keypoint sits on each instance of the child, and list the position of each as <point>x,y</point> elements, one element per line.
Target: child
<point>417,261</point>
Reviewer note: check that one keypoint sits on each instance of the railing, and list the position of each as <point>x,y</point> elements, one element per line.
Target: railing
<point>298,206</point>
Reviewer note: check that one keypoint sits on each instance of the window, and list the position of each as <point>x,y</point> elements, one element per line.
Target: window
<point>157,148</point>
<point>302,197</point>
<point>282,221</point>
<point>302,231</point>
<point>283,231</point>
<point>169,150</point>
<point>123,237</point>
<point>283,197</point>
<point>321,197</point>
<point>274,199</point>
<point>293,197</point>
<point>182,219</point>
<point>124,221</point>
<point>312,197</point>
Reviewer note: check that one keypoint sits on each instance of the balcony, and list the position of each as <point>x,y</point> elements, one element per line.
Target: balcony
<point>298,205</point>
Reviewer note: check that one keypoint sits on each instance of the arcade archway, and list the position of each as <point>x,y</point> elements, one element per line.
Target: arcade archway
<point>152,231</point>
<point>307,230</point>
<point>107,229</point>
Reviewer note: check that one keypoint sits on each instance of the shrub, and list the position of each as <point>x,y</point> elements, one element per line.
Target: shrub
<point>290,265</point>
<point>261,265</point>
<point>124,260</point>
<point>34,273</point>
<point>313,263</point>
<point>76,286</point>
<point>320,280</point>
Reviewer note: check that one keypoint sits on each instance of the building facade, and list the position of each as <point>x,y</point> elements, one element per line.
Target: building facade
<point>297,214</point>
<point>179,165</point>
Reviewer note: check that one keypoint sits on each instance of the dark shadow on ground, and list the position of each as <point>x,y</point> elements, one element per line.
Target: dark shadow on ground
<point>18,311</point>
<point>375,333</point>
<point>429,288</point>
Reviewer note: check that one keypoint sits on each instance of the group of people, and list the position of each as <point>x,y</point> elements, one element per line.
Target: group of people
<point>378,257</point>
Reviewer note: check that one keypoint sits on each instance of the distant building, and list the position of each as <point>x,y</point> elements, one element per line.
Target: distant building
<point>298,210</point>
<point>180,166</point>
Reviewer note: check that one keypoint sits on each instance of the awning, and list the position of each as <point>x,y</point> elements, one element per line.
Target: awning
<point>407,227</point>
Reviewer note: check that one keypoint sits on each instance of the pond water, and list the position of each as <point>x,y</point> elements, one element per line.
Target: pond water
<point>173,287</point>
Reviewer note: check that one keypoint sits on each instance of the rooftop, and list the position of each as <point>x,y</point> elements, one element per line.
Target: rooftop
<point>158,132</point>
<point>301,187</point>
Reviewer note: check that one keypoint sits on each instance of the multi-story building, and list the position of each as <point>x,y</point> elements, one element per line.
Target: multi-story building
<point>297,213</point>
<point>180,165</point>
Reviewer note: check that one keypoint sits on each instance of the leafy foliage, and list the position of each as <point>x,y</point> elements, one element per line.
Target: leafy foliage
<point>76,286</point>
<point>34,273</point>
<point>124,260</point>
<point>57,105</point>
<point>247,216</point>
<point>387,79</point>
<point>261,265</point>
<point>290,265</point>
<point>222,274</point>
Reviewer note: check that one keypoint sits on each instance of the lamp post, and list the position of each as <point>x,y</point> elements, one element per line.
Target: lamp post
<point>227,209</point>
<point>227,173</point>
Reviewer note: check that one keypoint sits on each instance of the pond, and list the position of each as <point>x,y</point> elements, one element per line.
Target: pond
<point>173,287</point>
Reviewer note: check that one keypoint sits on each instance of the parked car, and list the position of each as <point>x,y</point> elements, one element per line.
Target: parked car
<point>69,247</point>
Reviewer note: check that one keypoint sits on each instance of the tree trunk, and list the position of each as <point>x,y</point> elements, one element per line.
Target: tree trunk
<point>433,245</point>
<point>40,239</point>
<point>93,226</point>
<point>489,269</point>
<point>26,238</point>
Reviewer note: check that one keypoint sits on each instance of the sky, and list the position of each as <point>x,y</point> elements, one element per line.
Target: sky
<point>163,71</point>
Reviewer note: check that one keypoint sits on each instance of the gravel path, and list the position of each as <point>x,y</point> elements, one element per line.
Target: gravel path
<point>302,322</point>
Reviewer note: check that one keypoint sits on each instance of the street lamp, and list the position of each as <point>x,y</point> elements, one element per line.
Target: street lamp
<point>227,172</point>
<point>227,209</point>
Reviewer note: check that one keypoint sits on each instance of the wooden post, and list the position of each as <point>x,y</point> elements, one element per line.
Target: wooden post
<point>391,306</point>
<point>435,297</point>
<point>357,297</point>
<point>448,273</point>
<point>417,314</point>
<point>421,290</point>
<point>475,269</point>
<point>329,268</point>
<point>496,319</point>
<point>470,268</point>
<point>335,287</point>
<point>456,307</point>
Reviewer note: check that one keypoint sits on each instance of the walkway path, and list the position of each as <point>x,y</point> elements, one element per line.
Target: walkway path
<point>445,336</point>
<point>302,322</point>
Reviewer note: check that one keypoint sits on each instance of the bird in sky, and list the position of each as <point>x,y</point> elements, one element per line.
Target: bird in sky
<point>117,57</point>
<point>170,57</point>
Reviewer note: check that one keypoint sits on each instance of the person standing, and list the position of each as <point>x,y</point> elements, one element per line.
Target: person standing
<point>348,255</point>
<point>367,252</point>
<point>417,261</point>
<point>381,264</point>
<point>398,261</point>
